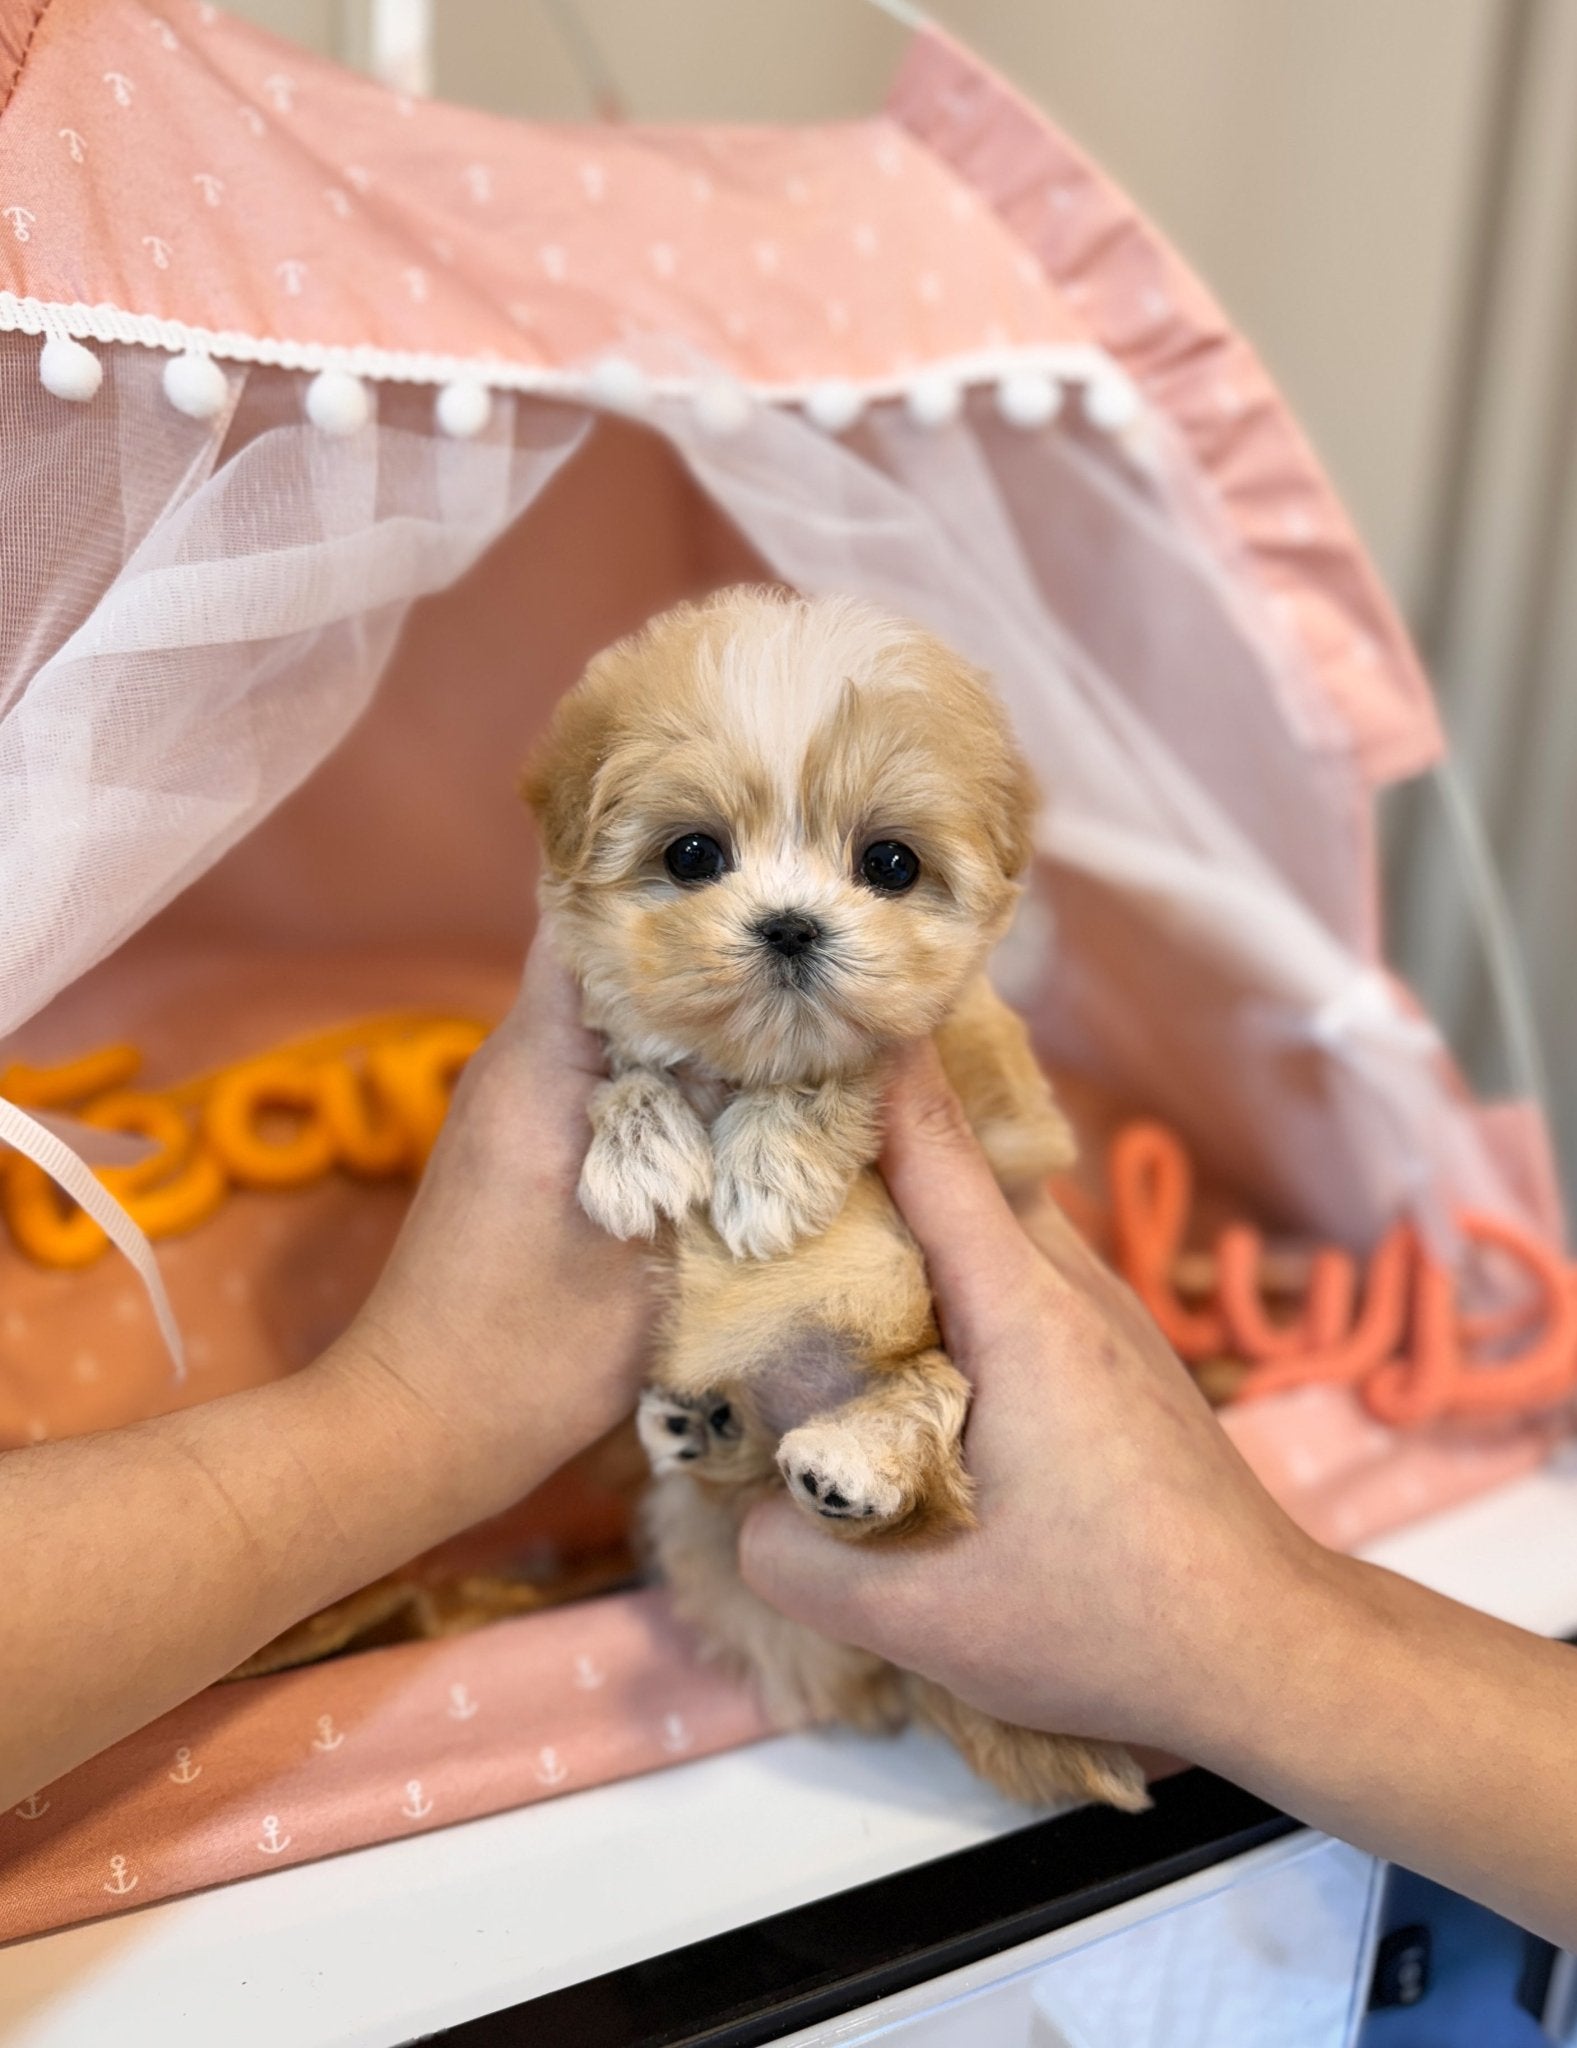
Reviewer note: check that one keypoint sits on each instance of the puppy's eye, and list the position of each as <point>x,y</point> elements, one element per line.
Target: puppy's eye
<point>890,866</point>
<point>695,858</point>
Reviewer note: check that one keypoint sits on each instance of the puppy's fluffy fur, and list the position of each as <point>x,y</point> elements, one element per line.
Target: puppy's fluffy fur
<point>782,739</point>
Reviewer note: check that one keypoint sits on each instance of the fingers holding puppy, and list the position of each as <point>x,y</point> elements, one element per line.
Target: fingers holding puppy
<point>983,1269</point>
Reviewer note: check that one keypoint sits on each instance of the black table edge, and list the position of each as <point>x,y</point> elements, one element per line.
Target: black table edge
<point>813,1962</point>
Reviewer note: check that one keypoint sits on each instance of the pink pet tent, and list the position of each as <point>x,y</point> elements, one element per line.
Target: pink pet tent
<point>341,429</point>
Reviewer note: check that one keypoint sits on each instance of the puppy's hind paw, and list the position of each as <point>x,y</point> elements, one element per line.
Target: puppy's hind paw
<point>831,1471</point>
<point>675,1430</point>
<point>649,1157</point>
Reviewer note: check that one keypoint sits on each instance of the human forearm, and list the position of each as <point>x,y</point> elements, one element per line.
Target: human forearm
<point>1412,1726</point>
<point>174,1549</point>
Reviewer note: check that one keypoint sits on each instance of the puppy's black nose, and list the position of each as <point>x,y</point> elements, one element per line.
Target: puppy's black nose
<point>788,932</point>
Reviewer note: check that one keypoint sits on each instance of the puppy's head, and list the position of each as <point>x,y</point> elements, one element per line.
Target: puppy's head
<point>780,834</point>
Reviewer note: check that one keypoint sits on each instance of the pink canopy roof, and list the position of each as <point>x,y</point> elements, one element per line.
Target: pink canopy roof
<point>181,180</point>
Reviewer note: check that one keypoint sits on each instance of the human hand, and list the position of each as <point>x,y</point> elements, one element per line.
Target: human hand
<point>1128,1571</point>
<point>511,1324</point>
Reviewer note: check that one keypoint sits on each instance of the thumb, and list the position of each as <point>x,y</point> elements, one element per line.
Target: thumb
<point>975,1252</point>
<point>841,1590</point>
<point>546,1013</point>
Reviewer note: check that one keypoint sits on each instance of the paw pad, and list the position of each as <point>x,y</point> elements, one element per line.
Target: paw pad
<point>838,1476</point>
<point>677,1430</point>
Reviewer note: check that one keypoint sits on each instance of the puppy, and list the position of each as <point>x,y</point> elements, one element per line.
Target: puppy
<point>781,837</point>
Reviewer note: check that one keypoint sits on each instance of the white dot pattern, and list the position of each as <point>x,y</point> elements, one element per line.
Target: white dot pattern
<point>761,220</point>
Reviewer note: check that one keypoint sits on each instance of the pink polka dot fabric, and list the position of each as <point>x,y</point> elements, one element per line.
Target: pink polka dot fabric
<point>281,209</point>
<point>263,193</point>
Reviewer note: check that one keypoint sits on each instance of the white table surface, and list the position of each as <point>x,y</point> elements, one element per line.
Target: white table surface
<point>374,1947</point>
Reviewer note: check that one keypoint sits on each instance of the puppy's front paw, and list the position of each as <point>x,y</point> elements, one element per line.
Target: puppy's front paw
<point>775,1180</point>
<point>649,1156</point>
<point>755,1221</point>
<point>832,1469</point>
<point>676,1430</point>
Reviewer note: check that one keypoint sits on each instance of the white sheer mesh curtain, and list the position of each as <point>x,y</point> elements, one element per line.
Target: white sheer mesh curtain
<point>192,624</point>
<point>193,614</point>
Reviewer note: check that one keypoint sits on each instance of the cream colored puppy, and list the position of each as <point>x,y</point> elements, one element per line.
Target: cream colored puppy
<point>781,837</point>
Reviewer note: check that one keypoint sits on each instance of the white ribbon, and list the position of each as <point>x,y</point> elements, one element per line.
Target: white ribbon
<point>37,1142</point>
<point>93,1143</point>
<point>1367,1008</point>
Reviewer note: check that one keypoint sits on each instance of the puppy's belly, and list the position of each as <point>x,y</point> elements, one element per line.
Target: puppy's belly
<point>801,1334</point>
<point>815,1370</point>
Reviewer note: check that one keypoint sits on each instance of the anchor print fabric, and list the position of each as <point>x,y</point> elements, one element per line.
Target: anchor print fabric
<point>251,1776</point>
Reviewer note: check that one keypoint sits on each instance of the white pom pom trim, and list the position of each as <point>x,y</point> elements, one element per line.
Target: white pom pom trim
<point>934,399</point>
<point>1028,399</point>
<point>338,403</point>
<point>1111,401</point>
<point>68,370</point>
<point>463,408</point>
<point>195,385</point>
<point>1030,380</point>
<point>834,405</point>
<point>620,385</point>
<point>722,407</point>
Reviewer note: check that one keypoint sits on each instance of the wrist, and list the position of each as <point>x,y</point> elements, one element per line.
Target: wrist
<point>1264,1655</point>
<point>1287,1657</point>
<point>457,1460</point>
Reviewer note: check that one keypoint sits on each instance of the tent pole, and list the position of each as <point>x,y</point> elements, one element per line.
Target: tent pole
<point>904,14</point>
<point>1503,960</point>
<point>586,54</point>
<point>400,45</point>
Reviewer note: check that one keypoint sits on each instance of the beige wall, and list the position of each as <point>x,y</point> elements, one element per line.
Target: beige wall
<point>712,60</point>
<point>1317,164</point>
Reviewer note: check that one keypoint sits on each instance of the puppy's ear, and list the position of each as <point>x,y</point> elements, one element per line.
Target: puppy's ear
<point>1013,822</point>
<point>981,748</point>
<point>559,781</point>
<point>1008,797</point>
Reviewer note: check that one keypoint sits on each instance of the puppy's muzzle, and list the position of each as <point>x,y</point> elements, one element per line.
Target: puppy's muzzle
<point>789,933</point>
